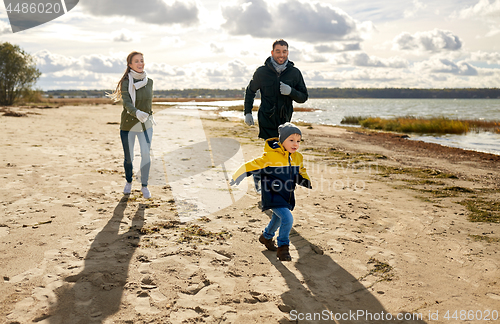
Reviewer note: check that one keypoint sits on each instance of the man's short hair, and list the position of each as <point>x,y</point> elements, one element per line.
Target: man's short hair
<point>281,42</point>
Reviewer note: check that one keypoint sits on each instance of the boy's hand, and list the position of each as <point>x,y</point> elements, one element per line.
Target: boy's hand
<point>233,183</point>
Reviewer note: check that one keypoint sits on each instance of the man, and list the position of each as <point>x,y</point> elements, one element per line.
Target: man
<point>279,83</point>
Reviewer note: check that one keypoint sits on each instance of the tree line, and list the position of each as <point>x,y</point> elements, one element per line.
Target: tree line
<point>396,93</point>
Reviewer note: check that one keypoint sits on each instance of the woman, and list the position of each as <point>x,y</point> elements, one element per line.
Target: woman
<point>135,89</point>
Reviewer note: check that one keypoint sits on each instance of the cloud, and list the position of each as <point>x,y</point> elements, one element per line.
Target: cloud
<point>417,5</point>
<point>352,69</point>
<point>364,60</point>
<point>232,74</point>
<point>343,47</point>
<point>163,69</point>
<point>442,65</point>
<point>172,41</point>
<point>304,54</point>
<point>490,58</point>
<point>216,49</point>
<point>356,78</point>
<point>102,64</point>
<point>123,35</point>
<point>48,62</point>
<point>248,18</point>
<point>4,28</point>
<point>104,71</point>
<point>358,59</point>
<point>231,69</point>
<point>494,31</point>
<point>314,58</point>
<point>247,53</point>
<point>308,22</point>
<point>484,8</point>
<point>431,41</point>
<point>237,68</point>
<point>486,11</point>
<point>155,12</point>
<point>396,63</point>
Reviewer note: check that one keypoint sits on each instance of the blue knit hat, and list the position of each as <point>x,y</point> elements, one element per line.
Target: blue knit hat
<point>286,130</point>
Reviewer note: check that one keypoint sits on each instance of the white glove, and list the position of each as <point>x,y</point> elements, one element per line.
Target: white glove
<point>285,89</point>
<point>249,119</point>
<point>141,115</point>
<point>152,119</point>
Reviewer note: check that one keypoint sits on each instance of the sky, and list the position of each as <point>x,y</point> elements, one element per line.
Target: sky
<point>219,44</point>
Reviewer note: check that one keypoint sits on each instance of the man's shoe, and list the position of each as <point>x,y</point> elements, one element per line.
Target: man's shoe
<point>268,243</point>
<point>283,254</point>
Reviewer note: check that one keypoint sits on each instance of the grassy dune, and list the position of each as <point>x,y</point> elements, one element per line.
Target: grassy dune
<point>435,125</point>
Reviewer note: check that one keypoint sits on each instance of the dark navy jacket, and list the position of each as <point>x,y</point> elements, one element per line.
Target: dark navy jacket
<point>280,171</point>
<point>275,109</point>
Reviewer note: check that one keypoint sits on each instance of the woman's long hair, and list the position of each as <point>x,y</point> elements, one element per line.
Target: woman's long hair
<point>117,94</point>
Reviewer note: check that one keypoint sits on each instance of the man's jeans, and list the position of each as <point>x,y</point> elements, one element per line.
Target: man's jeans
<point>282,218</point>
<point>128,141</point>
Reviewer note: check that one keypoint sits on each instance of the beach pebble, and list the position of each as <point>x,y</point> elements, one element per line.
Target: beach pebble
<point>143,294</point>
<point>493,296</point>
<point>143,258</point>
<point>284,308</point>
<point>261,298</point>
<point>147,280</point>
<point>96,314</point>
<point>193,289</point>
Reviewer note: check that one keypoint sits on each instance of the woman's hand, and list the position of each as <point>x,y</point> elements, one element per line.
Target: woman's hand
<point>141,115</point>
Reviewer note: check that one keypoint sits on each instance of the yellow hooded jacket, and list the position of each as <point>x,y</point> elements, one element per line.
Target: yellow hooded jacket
<point>280,172</point>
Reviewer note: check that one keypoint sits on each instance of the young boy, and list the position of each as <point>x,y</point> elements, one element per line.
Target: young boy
<point>281,169</point>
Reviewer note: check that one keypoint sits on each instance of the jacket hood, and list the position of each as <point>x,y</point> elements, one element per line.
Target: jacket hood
<point>274,145</point>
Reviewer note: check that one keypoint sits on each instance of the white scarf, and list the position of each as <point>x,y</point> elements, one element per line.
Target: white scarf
<point>133,87</point>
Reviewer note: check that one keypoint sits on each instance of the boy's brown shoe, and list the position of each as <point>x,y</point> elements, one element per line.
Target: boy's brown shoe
<point>268,243</point>
<point>283,254</point>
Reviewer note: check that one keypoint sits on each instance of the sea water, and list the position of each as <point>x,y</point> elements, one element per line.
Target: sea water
<point>332,111</point>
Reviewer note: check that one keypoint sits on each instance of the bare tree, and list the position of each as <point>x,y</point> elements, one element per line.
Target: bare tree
<point>18,73</point>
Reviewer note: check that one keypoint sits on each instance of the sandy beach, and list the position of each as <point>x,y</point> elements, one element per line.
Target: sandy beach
<point>385,231</point>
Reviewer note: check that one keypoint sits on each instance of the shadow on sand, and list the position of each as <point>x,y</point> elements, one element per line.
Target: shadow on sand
<point>96,292</point>
<point>325,288</point>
